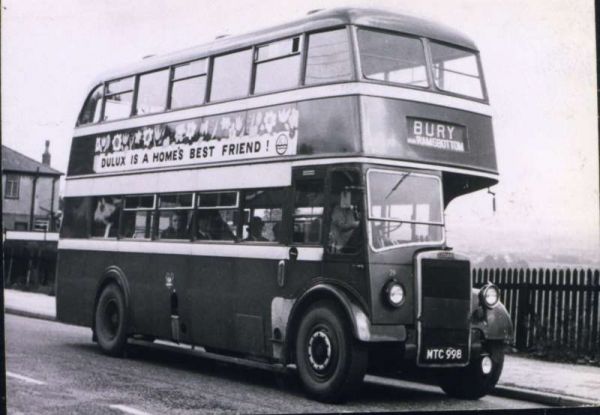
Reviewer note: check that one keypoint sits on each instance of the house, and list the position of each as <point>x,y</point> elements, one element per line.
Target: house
<point>30,219</point>
<point>30,192</point>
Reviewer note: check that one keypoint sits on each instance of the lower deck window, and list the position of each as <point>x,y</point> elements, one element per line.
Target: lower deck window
<point>174,224</point>
<point>263,215</point>
<point>308,212</point>
<point>216,224</point>
<point>137,224</point>
<point>175,216</point>
<point>106,216</point>
<point>138,217</point>
<point>204,216</point>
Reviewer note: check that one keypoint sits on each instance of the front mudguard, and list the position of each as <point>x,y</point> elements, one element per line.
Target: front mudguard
<point>494,323</point>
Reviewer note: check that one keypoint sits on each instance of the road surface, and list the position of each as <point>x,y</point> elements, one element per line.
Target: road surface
<point>53,368</point>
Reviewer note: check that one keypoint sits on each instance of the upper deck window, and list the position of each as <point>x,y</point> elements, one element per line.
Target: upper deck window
<point>277,65</point>
<point>118,99</point>
<point>231,75</point>
<point>329,57</point>
<point>456,70</point>
<point>152,92</point>
<point>392,58</point>
<point>189,84</point>
<point>91,110</point>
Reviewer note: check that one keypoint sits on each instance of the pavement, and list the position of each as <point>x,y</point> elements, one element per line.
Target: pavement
<point>549,383</point>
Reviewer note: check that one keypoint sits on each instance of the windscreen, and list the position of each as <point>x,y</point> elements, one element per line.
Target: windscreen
<point>404,208</point>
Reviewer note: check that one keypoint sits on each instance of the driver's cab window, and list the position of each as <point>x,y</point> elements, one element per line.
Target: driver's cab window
<point>345,210</point>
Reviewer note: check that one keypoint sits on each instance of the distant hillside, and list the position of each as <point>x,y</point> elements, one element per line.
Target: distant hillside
<point>515,260</point>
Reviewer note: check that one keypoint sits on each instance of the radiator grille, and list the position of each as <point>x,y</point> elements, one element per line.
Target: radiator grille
<point>446,279</point>
<point>445,307</point>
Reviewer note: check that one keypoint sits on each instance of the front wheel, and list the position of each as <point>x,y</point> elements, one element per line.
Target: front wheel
<point>478,378</point>
<point>111,321</point>
<point>331,362</point>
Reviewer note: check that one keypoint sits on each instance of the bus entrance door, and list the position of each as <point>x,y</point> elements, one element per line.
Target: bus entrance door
<point>344,247</point>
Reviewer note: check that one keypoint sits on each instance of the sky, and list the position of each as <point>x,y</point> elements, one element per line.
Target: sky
<point>538,59</point>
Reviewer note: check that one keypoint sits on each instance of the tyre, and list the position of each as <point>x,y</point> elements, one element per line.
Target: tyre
<point>471,382</point>
<point>110,321</point>
<point>331,362</point>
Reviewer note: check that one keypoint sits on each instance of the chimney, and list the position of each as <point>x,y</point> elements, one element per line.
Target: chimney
<point>46,155</point>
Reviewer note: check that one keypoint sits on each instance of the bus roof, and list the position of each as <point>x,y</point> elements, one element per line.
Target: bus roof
<point>375,18</point>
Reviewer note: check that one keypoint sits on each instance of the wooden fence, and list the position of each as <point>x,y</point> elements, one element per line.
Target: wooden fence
<point>553,310</point>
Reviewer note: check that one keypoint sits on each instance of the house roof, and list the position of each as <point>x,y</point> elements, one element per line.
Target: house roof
<point>13,161</point>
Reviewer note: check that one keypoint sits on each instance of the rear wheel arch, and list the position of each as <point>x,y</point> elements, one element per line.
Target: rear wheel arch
<point>111,275</point>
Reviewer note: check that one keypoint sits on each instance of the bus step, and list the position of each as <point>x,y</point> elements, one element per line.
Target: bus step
<point>198,351</point>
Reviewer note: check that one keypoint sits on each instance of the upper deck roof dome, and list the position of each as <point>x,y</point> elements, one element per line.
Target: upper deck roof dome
<point>375,18</point>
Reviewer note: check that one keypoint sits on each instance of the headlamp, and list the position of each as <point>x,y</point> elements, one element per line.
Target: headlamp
<point>394,293</point>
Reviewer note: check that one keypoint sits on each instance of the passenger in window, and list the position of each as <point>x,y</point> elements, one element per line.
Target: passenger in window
<point>203,227</point>
<point>276,232</point>
<point>344,222</point>
<point>255,229</point>
<point>106,216</point>
<point>176,228</point>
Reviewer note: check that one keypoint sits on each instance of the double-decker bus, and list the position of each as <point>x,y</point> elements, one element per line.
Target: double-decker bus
<point>279,197</point>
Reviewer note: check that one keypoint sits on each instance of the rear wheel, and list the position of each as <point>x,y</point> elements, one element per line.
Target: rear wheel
<point>331,362</point>
<point>111,320</point>
<point>478,378</point>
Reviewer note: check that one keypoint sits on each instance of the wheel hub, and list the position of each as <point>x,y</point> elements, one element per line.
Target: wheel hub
<point>319,350</point>
<point>486,365</point>
<point>111,318</point>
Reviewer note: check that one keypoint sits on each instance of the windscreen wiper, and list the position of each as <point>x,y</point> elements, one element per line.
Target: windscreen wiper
<point>397,184</point>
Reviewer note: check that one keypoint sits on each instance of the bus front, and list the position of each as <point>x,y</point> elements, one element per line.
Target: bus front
<point>427,123</point>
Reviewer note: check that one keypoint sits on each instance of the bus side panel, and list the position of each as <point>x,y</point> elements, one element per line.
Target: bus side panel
<point>76,285</point>
<point>229,300</point>
<point>150,302</point>
<point>209,299</point>
<point>256,285</point>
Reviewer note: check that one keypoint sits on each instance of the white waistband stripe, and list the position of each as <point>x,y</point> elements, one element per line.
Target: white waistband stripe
<point>234,177</point>
<point>211,249</point>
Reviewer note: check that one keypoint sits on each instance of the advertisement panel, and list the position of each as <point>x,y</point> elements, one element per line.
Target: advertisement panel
<point>268,132</point>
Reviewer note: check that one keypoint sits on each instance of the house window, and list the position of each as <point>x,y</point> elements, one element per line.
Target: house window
<point>21,226</point>
<point>12,186</point>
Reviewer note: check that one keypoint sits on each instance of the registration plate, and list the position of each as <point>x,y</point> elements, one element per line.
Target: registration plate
<point>443,354</point>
